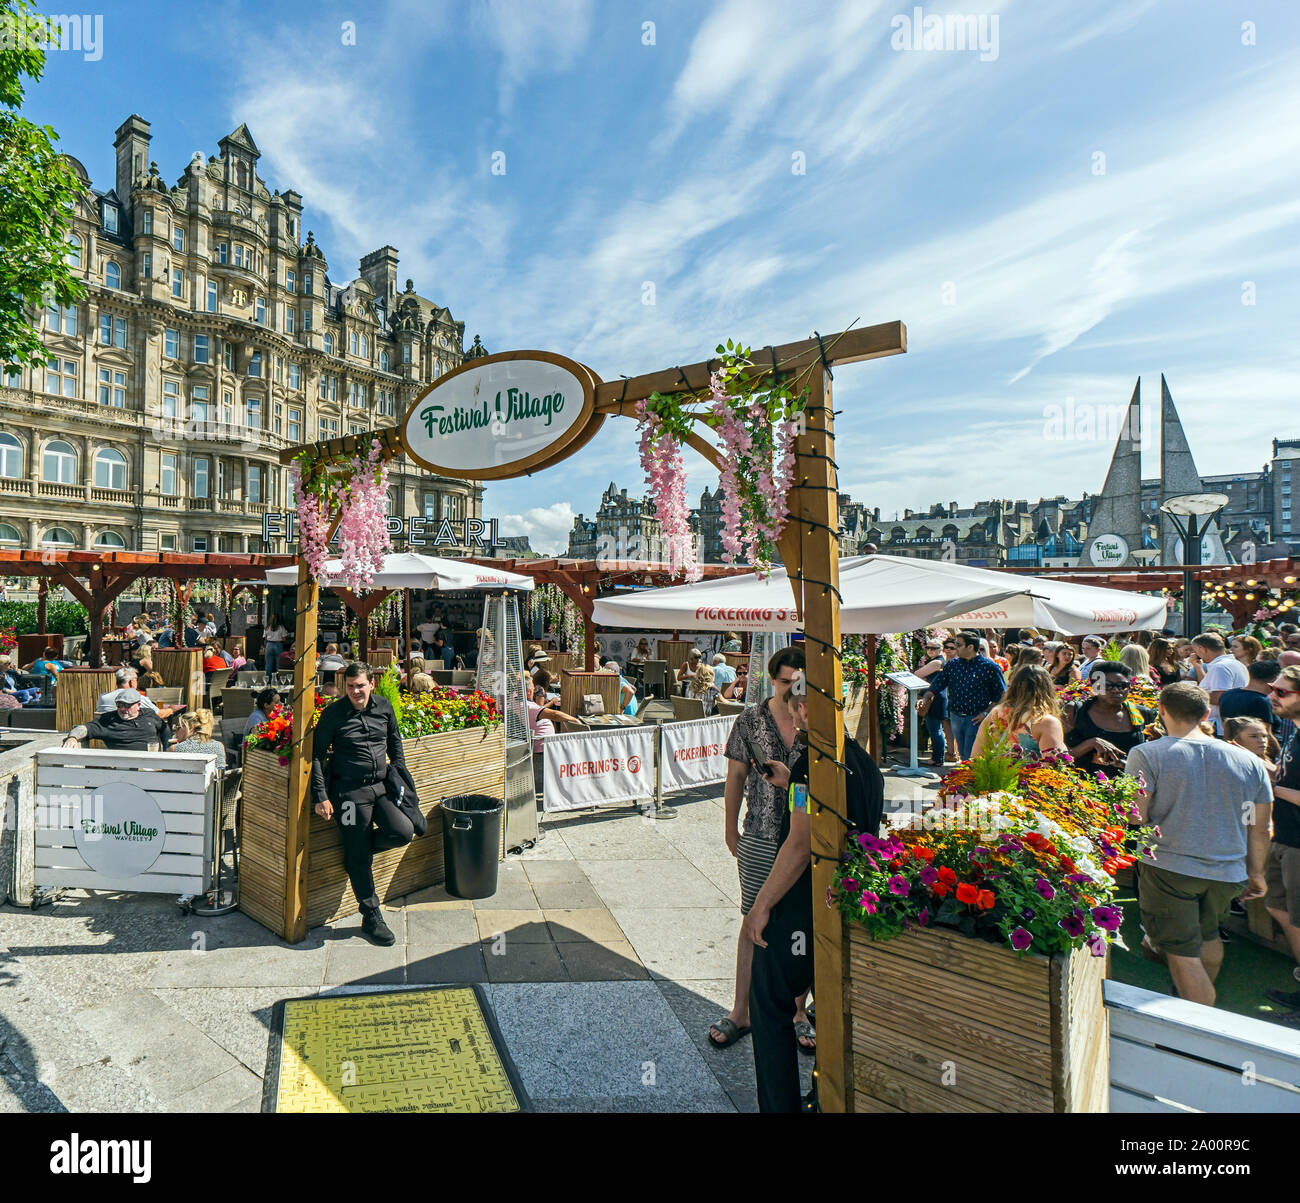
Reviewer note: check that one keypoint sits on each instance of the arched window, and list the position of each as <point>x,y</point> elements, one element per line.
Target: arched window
<point>56,536</point>
<point>112,275</point>
<point>8,536</point>
<point>74,251</point>
<point>110,469</point>
<point>59,464</point>
<point>950,532</point>
<point>11,457</point>
<point>383,361</point>
<point>329,344</point>
<point>111,539</point>
<point>898,534</point>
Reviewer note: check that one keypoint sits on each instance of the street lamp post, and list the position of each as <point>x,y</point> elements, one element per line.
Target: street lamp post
<point>1192,506</point>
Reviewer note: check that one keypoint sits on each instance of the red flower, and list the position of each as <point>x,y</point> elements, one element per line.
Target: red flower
<point>967,893</point>
<point>941,889</point>
<point>925,854</point>
<point>985,900</point>
<point>947,876</point>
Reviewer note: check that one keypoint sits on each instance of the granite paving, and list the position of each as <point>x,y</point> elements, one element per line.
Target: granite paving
<point>607,950</point>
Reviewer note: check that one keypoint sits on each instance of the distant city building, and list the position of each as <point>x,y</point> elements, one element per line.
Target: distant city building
<point>514,547</point>
<point>625,528</point>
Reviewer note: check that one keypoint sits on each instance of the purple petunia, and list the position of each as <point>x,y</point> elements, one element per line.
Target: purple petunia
<point>923,918</point>
<point>1079,879</point>
<point>1027,914</point>
<point>869,901</point>
<point>1108,917</point>
<point>1021,939</point>
<point>1097,944</point>
<point>929,875</point>
<point>850,885</point>
<point>1072,925</point>
<point>1045,889</point>
<point>898,884</point>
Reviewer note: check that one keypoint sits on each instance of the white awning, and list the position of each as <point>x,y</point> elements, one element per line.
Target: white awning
<point>408,570</point>
<point>886,594</point>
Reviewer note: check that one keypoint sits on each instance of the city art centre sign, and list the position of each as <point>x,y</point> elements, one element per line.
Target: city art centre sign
<point>503,415</point>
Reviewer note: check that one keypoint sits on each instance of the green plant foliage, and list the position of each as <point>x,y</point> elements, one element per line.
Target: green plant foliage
<point>389,686</point>
<point>61,617</point>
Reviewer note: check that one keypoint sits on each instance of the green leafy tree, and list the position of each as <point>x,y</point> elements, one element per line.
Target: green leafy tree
<point>38,189</point>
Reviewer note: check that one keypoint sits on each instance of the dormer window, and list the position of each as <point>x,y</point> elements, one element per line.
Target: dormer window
<point>110,218</point>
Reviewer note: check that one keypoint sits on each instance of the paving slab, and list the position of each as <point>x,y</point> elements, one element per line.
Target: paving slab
<point>236,1018</point>
<point>588,961</point>
<point>682,944</point>
<point>444,964</point>
<point>566,895</point>
<point>588,924</point>
<point>668,884</point>
<point>521,962</point>
<point>247,967</point>
<point>157,1043</point>
<point>367,963</point>
<point>616,1045</point>
<point>550,871</point>
<point>441,926</point>
<point>528,927</point>
<point>626,837</point>
<point>432,898</point>
<point>226,1092</point>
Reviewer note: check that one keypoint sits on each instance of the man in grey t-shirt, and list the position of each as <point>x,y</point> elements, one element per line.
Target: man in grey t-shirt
<point>1212,802</point>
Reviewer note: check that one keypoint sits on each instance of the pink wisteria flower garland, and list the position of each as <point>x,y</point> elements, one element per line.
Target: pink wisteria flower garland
<point>665,473</point>
<point>360,491</point>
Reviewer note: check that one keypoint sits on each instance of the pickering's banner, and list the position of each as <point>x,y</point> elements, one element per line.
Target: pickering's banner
<point>590,767</point>
<point>694,752</point>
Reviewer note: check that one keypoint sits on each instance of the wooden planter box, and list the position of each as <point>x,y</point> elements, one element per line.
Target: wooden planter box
<point>857,715</point>
<point>443,765</point>
<point>938,1021</point>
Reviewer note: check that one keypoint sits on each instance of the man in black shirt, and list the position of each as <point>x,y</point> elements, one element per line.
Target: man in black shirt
<point>1252,700</point>
<point>1282,872</point>
<point>127,730</point>
<point>358,737</point>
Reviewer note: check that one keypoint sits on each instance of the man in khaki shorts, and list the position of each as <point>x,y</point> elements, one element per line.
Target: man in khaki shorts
<point>1211,801</point>
<point>1283,871</point>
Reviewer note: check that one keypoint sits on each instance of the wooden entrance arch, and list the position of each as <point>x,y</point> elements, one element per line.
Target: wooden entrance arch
<point>810,551</point>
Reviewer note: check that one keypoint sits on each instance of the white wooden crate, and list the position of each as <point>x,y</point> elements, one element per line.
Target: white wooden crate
<point>1169,1055</point>
<point>71,785</point>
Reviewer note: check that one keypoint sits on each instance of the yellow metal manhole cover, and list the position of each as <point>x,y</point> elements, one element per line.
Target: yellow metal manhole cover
<point>405,1050</point>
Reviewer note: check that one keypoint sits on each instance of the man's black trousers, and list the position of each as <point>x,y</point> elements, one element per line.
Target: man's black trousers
<point>356,809</point>
<point>783,971</point>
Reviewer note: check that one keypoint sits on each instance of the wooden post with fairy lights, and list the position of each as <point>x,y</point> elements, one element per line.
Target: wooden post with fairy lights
<point>447,430</point>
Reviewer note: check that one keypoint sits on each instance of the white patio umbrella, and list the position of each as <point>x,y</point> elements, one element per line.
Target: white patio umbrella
<point>886,594</point>
<point>409,570</point>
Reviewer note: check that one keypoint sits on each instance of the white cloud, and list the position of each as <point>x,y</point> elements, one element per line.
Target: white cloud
<point>546,527</point>
<point>533,38</point>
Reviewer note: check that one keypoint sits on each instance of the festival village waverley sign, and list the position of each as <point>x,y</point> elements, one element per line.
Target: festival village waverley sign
<point>502,415</point>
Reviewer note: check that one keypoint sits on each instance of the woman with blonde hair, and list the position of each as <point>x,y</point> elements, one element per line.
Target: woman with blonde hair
<point>1026,716</point>
<point>1134,657</point>
<point>702,687</point>
<point>197,730</point>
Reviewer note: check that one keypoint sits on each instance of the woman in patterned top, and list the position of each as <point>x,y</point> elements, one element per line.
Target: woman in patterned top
<point>703,688</point>
<point>196,736</point>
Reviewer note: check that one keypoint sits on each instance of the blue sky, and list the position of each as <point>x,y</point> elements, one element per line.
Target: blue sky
<point>960,192</point>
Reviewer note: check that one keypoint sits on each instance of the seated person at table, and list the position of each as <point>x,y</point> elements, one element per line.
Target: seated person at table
<point>213,660</point>
<point>703,688</point>
<point>9,684</point>
<point>542,716</point>
<point>723,673</point>
<point>420,681</point>
<point>128,729</point>
<point>642,653</point>
<point>331,661</point>
<point>626,694</point>
<point>263,705</point>
<point>543,685</point>
<point>731,642</point>
<point>686,672</point>
<point>287,659</point>
<point>149,677</point>
<point>46,664</point>
<point>194,734</point>
<point>427,629</point>
<point>442,650</point>
<point>735,692</point>
<point>128,678</point>
<point>166,635</point>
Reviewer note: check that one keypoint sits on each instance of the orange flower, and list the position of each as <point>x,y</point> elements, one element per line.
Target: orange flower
<point>985,900</point>
<point>967,893</point>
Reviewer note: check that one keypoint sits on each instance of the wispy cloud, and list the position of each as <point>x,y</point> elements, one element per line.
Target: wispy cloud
<point>532,39</point>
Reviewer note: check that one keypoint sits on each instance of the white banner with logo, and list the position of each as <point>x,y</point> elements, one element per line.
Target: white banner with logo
<point>694,752</point>
<point>590,767</point>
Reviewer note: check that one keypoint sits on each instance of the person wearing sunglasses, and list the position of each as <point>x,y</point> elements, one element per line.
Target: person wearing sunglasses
<point>1282,869</point>
<point>1101,730</point>
<point>932,705</point>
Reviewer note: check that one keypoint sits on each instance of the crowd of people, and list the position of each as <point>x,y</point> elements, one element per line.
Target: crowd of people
<point>1208,727</point>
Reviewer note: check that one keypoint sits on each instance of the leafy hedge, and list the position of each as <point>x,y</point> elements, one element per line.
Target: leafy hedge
<point>61,617</point>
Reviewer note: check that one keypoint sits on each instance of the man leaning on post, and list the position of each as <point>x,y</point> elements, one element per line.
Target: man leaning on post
<point>355,740</point>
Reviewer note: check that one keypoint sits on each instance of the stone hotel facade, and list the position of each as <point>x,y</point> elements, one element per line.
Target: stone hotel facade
<point>211,338</point>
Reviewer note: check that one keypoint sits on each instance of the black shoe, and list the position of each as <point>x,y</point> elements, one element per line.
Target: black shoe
<point>376,930</point>
<point>1236,907</point>
<point>1224,934</point>
<point>1288,998</point>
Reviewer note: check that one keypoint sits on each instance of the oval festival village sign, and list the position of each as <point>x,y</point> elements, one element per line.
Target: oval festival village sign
<point>120,831</point>
<point>501,416</point>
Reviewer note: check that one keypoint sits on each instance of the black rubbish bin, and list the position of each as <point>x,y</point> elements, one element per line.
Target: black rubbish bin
<point>471,844</point>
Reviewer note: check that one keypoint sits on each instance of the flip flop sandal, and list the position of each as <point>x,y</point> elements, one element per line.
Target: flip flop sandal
<point>804,1031</point>
<point>730,1030</point>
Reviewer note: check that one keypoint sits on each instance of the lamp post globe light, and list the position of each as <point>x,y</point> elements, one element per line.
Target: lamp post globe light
<point>1191,514</point>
